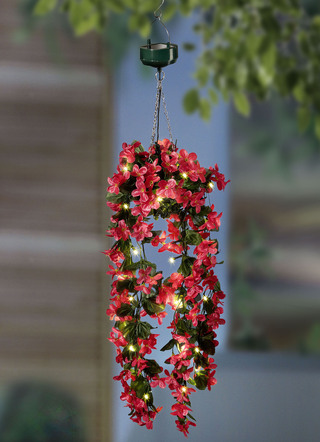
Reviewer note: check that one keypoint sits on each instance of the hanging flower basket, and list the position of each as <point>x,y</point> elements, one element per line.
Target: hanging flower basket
<point>166,183</point>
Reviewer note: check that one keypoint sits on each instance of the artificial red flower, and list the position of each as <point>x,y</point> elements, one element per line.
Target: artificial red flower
<point>169,183</point>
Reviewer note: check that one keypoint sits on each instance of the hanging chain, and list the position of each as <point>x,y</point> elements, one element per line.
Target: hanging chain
<point>156,118</point>
<point>167,117</point>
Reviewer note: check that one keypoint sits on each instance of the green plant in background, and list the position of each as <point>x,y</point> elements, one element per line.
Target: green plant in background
<point>250,258</point>
<point>280,148</point>
<point>251,47</point>
<point>311,342</point>
<point>36,412</point>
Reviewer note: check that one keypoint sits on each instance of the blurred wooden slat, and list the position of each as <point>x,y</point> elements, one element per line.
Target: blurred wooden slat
<point>52,139</point>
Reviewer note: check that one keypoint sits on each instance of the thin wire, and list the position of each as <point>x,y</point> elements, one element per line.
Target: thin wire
<point>156,118</point>
<point>158,17</point>
<point>155,12</point>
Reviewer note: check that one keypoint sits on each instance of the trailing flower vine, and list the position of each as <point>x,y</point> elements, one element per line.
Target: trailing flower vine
<point>167,183</point>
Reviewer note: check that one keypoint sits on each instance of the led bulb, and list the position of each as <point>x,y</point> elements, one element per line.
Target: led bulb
<point>171,260</point>
<point>159,199</point>
<point>125,168</point>
<point>205,298</point>
<point>184,389</point>
<point>131,298</point>
<point>197,349</point>
<point>146,396</point>
<point>211,185</point>
<point>135,252</point>
<point>126,206</point>
<point>131,348</point>
<point>184,175</point>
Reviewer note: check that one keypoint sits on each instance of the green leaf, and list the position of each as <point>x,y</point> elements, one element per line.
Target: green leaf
<point>113,198</point>
<point>133,266</point>
<point>213,96</point>
<point>299,92</point>
<point>169,345</point>
<point>202,75</point>
<point>191,417</point>
<point>201,382</point>
<point>129,330</point>
<point>83,17</point>
<point>304,118</point>
<point>152,368</point>
<point>125,310</point>
<point>123,284</point>
<point>206,343</point>
<point>188,46</point>
<point>151,307</point>
<point>193,238</point>
<point>241,103</point>
<point>191,101</point>
<point>140,23</point>
<point>44,6</point>
<point>209,306</point>
<point>205,109</point>
<point>140,386</point>
<point>191,381</point>
<point>317,126</point>
<point>186,265</point>
<point>143,330</point>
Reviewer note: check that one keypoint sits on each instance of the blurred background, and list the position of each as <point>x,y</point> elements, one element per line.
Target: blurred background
<point>66,106</point>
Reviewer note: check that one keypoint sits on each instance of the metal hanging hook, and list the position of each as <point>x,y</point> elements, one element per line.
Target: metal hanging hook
<point>158,17</point>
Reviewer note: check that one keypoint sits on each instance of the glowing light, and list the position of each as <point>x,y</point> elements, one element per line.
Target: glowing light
<point>131,348</point>
<point>184,175</point>
<point>184,389</point>
<point>177,302</point>
<point>205,298</point>
<point>211,185</point>
<point>131,298</point>
<point>171,260</point>
<point>146,396</point>
<point>197,349</point>
<point>135,251</point>
<point>126,206</point>
<point>125,168</point>
<point>198,368</point>
<point>159,199</point>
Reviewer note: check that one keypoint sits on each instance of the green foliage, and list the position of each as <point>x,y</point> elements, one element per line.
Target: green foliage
<point>250,48</point>
<point>241,103</point>
<point>191,101</point>
<point>40,412</point>
<point>193,238</point>
<point>44,6</point>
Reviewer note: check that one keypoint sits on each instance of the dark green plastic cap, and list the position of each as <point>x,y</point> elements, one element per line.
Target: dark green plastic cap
<point>158,55</point>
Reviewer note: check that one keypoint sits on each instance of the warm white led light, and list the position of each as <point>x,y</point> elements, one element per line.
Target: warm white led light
<point>197,349</point>
<point>177,302</point>
<point>125,168</point>
<point>131,298</point>
<point>135,251</point>
<point>171,260</point>
<point>205,298</point>
<point>184,389</point>
<point>126,206</point>
<point>211,184</point>
<point>159,199</point>
<point>131,348</point>
<point>146,396</point>
<point>184,175</point>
